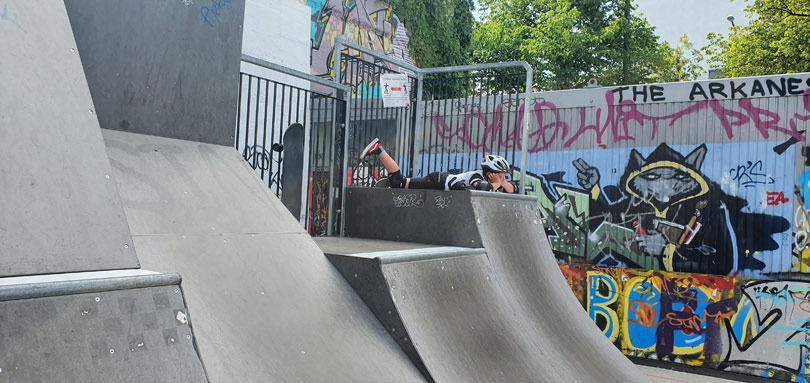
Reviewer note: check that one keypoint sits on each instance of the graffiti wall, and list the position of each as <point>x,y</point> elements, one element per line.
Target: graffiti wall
<point>733,324</point>
<point>700,177</point>
<point>678,212</point>
<point>368,23</point>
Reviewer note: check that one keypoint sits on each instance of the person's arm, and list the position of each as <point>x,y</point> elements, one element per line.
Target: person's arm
<point>510,187</point>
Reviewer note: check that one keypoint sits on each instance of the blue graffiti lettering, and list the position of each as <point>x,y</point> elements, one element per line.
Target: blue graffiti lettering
<point>214,10</point>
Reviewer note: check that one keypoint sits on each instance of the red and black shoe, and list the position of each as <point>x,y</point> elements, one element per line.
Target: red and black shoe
<point>374,147</point>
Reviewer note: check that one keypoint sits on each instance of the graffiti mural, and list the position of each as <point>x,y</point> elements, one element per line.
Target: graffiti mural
<point>368,23</point>
<point>673,209</point>
<point>705,176</point>
<point>679,213</point>
<point>727,323</point>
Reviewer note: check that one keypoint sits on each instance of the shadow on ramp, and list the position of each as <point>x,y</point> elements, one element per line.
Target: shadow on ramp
<point>267,305</point>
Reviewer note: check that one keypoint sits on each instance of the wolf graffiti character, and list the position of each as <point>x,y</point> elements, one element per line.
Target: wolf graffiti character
<point>679,215</point>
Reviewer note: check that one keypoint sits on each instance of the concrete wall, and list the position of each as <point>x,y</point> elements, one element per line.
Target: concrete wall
<point>277,31</point>
<point>164,68</point>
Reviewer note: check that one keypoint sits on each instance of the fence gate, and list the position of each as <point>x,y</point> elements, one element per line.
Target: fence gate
<point>456,115</point>
<point>369,119</point>
<point>272,99</point>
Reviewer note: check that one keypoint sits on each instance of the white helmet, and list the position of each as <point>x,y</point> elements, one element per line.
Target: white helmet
<point>495,164</point>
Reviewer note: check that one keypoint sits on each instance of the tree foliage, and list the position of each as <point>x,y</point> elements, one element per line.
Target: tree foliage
<point>440,31</point>
<point>775,41</point>
<point>570,41</point>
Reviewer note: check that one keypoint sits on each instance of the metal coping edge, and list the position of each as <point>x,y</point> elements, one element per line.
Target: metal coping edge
<point>481,193</point>
<point>434,253</point>
<point>50,289</point>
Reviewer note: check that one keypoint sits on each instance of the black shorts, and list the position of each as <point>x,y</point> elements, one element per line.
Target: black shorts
<point>434,181</point>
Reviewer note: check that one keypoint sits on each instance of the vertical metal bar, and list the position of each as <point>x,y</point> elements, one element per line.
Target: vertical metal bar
<point>305,165</point>
<point>524,152</point>
<point>272,127</point>
<point>413,125</point>
<point>264,131</point>
<point>345,168</point>
<point>501,120</point>
<point>247,116</point>
<point>298,105</point>
<point>467,126</point>
<point>256,121</point>
<point>314,158</point>
<point>434,124</point>
<point>239,113</point>
<point>337,56</point>
<point>418,123</point>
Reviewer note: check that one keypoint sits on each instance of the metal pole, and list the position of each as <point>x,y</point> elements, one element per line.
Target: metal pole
<point>420,122</point>
<point>330,217</point>
<point>524,139</point>
<point>382,57</point>
<point>345,165</point>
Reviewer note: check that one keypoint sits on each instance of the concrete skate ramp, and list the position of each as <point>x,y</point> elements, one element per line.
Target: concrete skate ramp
<point>59,205</point>
<point>124,329</point>
<point>430,299</point>
<point>165,68</point>
<point>266,303</point>
<point>528,313</point>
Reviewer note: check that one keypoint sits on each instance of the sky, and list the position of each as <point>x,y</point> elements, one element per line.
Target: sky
<point>673,18</point>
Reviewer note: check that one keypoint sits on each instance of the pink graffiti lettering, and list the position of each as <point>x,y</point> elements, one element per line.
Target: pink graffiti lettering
<point>479,132</point>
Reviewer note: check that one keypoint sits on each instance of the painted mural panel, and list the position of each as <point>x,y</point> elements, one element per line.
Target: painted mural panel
<point>368,23</point>
<point>685,208</point>
<point>734,324</point>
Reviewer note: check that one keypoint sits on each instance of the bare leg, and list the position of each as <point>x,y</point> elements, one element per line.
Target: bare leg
<point>391,166</point>
<point>389,163</point>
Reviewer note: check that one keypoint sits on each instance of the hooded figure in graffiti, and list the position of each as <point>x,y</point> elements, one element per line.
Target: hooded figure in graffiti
<point>491,177</point>
<point>676,214</point>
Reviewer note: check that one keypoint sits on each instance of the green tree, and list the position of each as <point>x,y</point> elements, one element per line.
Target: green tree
<point>570,41</point>
<point>677,64</point>
<point>775,41</point>
<point>440,31</point>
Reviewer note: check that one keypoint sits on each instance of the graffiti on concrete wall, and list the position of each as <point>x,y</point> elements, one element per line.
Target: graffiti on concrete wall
<point>735,324</point>
<point>368,23</point>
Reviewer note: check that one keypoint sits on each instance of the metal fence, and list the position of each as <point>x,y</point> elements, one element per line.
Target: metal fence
<point>467,114</point>
<point>369,119</point>
<point>455,115</point>
<point>266,109</point>
<point>274,99</point>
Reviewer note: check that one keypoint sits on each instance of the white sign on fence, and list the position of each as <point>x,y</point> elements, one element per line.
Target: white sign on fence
<point>395,90</point>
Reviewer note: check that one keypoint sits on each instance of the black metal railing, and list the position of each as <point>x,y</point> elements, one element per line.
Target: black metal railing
<point>267,109</point>
<point>468,115</point>
<point>370,119</point>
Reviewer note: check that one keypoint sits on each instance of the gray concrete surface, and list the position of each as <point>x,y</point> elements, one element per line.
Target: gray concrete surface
<point>663,375</point>
<point>166,68</point>
<point>59,205</point>
<point>266,303</point>
<point>508,315</point>
<point>105,334</point>
<point>516,243</point>
<point>351,246</point>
